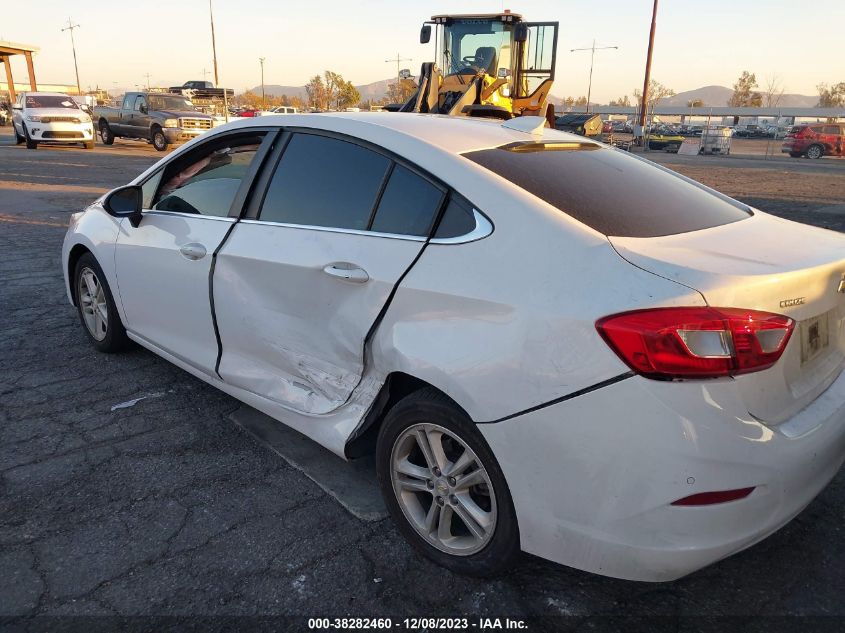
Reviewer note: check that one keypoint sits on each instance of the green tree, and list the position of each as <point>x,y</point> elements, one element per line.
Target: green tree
<point>656,92</point>
<point>621,101</point>
<point>831,96</point>
<point>744,95</point>
<point>317,94</point>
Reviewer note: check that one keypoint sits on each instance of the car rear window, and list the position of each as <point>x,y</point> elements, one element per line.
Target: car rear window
<point>610,191</point>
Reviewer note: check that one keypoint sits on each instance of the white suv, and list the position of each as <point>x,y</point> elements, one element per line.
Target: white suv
<point>50,117</point>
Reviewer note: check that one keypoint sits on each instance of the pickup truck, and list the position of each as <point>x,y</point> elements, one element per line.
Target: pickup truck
<point>159,118</point>
<point>201,90</point>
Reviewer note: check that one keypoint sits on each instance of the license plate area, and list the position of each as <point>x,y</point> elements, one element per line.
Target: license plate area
<point>815,337</point>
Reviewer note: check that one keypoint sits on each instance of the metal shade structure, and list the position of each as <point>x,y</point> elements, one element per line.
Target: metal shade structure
<point>7,50</point>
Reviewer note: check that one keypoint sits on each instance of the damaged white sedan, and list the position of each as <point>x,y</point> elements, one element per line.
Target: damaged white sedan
<point>551,345</point>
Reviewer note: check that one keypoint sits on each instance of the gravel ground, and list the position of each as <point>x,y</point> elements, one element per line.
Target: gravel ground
<point>166,508</point>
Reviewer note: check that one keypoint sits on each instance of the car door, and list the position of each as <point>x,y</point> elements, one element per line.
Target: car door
<point>299,284</point>
<point>163,264</point>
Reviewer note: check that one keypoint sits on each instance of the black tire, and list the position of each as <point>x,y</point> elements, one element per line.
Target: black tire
<point>115,339</point>
<point>815,151</point>
<point>18,138</point>
<point>795,154</point>
<point>106,135</point>
<point>158,139</point>
<point>429,406</point>
<point>30,144</point>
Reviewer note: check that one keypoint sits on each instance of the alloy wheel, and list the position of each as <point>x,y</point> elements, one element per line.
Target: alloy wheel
<point>443,489</point>
<point>92,304</point>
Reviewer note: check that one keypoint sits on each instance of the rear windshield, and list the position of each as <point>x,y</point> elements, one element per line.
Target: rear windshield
<point>610,191</point>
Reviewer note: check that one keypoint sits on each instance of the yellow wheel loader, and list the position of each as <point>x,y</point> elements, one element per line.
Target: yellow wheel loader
<point>487,65</point>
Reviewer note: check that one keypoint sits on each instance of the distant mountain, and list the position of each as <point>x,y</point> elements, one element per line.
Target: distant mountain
<point>374,91</point>
<point>719,95</point>
<point>710,95</point>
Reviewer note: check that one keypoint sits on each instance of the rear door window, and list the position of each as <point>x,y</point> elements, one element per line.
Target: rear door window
<point>408,204</point>
<point>608,190</point>
<point>322,181</point>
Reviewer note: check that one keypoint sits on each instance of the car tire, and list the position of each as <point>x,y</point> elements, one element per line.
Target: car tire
<point>159,140</point>
<point>30,144</point>
<point>89,145</point>
<point>106,135</point>
<point>795,154</point>
<point>815,151</point>
<point>428,503</point>
<point>18,138</point>
<point>93,300</point>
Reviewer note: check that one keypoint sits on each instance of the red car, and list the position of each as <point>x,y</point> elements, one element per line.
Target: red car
<point>815,140</point>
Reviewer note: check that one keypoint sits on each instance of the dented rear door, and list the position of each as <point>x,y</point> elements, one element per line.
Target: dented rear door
<point>297,289</point>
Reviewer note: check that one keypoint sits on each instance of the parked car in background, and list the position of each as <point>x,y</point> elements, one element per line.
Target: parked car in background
<point>622,381</point>
<point>201,90</point>
<point>285,110</point>
<point>752,130</point>
<point>50,117</point>
<point>156,117</point>
<point>815,140</point>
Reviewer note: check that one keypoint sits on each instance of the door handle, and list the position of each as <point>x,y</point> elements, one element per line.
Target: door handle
<point>347,272</point>
<point>193,250</point>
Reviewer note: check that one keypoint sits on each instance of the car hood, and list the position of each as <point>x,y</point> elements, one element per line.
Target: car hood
<point>175,114</point>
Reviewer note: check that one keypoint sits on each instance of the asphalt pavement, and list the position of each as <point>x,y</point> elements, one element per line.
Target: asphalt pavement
<point>163,506</point>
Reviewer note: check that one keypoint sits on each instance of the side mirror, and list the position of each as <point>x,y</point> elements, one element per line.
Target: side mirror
<point>143,109</point>
<point>125,202</point>
<point>425,34</point>
<point>520,32</point>
<point>503,73</point>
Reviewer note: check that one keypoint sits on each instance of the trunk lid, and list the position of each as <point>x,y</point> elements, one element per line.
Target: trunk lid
<point>765,263</point>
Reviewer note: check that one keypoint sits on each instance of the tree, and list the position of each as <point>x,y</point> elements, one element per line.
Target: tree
<point>774,91</point>
<point>695,103</point>
<point>656,92</point>
<point>831,96</point>
<point>623,101</point>
<point>347,95</point>
<point>317,95</point>
<point>744,95</point>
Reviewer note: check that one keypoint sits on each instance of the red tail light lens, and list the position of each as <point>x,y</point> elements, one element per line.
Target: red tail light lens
<point>666,343</point>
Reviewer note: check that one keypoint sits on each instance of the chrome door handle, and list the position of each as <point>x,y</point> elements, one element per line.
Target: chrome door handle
<point>347,272</point>
<point>193,250</point>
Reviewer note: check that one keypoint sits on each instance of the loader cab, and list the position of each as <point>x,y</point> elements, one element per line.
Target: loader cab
<point>511,61</point>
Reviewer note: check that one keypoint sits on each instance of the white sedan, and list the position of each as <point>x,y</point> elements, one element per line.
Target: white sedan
<point>50,117</point>
<point>551,345</point>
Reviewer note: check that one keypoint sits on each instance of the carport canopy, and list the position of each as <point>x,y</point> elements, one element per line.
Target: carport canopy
<point>7,49</point>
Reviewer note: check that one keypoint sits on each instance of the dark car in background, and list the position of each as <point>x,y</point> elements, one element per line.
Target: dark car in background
<point>815,140</point>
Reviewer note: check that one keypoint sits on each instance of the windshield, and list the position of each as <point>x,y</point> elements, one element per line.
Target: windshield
<point>50,101</point>
<point>470,45</point>
<point>162,102</point>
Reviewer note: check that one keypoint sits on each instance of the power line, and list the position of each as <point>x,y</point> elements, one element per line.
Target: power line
<point>593,50</point>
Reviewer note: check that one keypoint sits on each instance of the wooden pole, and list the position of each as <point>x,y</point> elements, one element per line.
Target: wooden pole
<point>9,81</point>
<point>647,80</point>
<point>30,68</point>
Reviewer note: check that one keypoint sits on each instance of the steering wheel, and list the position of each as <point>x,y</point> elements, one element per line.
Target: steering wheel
<point>471,61</point>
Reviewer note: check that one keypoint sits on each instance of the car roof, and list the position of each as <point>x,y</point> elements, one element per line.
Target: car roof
<point>453,134</point>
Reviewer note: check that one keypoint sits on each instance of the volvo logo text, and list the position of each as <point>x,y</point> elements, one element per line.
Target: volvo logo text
<point>788,303</point>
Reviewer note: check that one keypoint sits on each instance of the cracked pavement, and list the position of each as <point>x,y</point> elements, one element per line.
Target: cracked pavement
<point>167,508</point>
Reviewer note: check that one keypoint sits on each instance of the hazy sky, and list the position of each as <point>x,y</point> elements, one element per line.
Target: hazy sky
<point>698,43</point>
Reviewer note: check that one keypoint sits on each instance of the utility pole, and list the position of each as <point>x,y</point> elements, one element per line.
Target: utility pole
<point>216,78</point>
<point>592,50</point>
<point>70,27</point>
<point>148,81</point>
<point>263,100</point>
<point>647,80</point>
<point>399,59</point>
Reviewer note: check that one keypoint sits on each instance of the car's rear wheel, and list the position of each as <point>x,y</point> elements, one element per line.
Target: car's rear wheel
<point>159,139</point>
<point>444,488</point>
<point>815,151</point>
<point>106,135</point>
<point>96,307</point>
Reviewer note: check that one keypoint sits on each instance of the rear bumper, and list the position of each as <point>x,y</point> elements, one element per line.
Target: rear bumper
<point>593,478</point>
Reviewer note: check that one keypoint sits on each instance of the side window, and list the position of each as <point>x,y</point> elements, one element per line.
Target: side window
<point>139,101</point>
<point>323,181</point>
<point>206,181</point>
<point>127,103</point>
<point>818,129</point>
<point>149,188</point>
<point>458,219</point>
<point>831,129</point>
<point>408,204</point>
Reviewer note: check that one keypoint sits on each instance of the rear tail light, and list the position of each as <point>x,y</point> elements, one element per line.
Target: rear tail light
<point>666,343</point>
